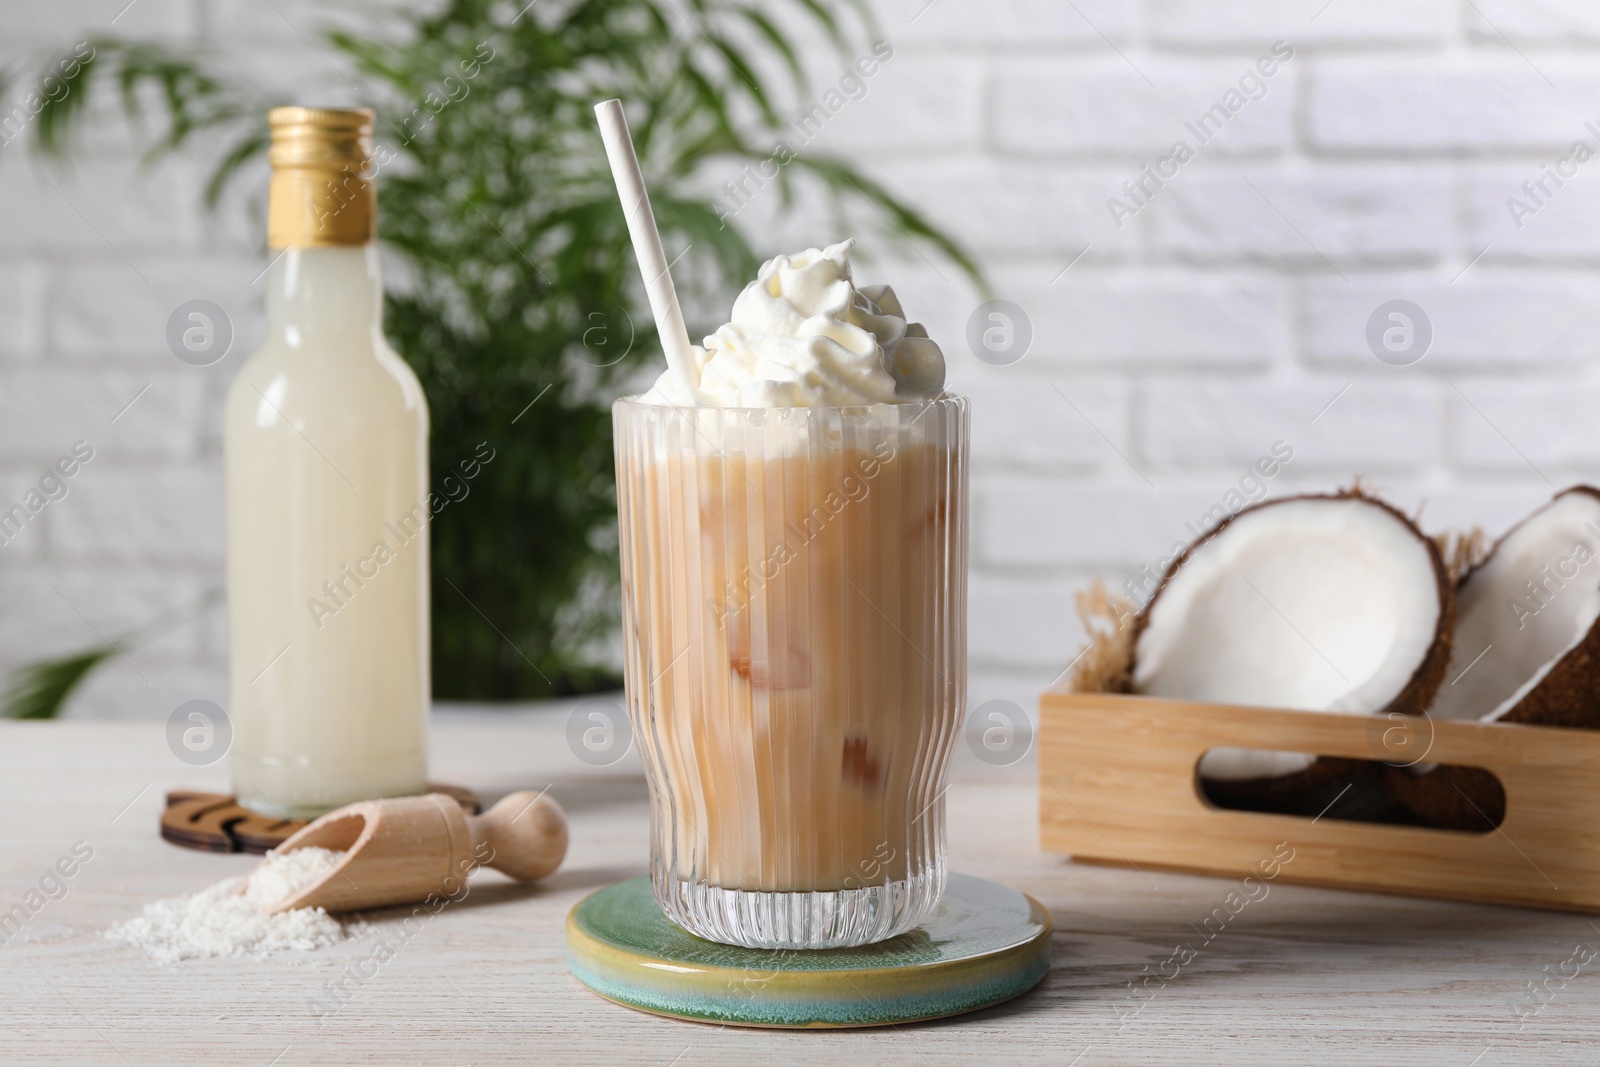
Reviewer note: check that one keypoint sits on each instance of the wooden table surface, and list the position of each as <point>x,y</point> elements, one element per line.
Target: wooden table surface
<point>1300,976</point>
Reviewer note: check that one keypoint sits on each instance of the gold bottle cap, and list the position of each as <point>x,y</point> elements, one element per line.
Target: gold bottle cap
<point>322,190</point>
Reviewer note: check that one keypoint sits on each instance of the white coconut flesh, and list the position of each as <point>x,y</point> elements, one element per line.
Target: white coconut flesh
<point>1528,605</point>
<point>1316,604</point>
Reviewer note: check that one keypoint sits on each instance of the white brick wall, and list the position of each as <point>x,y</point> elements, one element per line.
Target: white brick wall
<point>1224,315</point>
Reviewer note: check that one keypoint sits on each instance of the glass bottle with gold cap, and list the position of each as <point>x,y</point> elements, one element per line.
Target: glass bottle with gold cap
<point>326,451</point>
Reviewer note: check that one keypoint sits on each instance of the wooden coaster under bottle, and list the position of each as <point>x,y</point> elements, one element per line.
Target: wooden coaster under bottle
<point>216,822</point>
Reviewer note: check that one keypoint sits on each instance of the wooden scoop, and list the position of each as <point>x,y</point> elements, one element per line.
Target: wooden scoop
<point>405,849</point>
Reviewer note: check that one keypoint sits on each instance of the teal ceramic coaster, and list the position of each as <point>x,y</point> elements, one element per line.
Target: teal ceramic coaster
<point>984,944</point>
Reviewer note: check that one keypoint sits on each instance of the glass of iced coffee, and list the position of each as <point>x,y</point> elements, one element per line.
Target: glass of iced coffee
<point>794,550</point>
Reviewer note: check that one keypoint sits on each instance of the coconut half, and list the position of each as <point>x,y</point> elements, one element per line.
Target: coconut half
<point>1320,603</point>
<point>1527,650</point>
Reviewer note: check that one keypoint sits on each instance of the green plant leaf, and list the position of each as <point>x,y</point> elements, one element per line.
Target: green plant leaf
<point>59,113</point>
<point>780,44</point>
<point>828,20</point>
<point>237,158</point>
<point>906,221</point>
<point>40,690</point>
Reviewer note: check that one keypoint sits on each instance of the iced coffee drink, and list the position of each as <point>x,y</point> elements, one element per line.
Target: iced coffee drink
<point>794,571</point>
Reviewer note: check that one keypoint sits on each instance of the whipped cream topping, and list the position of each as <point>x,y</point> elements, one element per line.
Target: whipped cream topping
<point>803,335</point>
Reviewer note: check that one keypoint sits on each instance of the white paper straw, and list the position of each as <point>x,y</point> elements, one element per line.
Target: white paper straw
<point>646,241</point>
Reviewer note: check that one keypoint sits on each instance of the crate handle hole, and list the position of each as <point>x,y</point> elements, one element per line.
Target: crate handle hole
<point>1438,796</point>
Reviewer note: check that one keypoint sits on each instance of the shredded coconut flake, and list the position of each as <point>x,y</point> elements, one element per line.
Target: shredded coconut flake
<point>228,919</point>
<point>283,874</point>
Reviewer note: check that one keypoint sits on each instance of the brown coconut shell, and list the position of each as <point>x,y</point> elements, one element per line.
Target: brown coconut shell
<point>1346,789</point>
<point>1469,798</point>
<point>1299,793</point>
<point>1449,797</point>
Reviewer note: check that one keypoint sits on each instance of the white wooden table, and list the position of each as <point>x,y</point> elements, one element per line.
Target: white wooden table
<point>1302,976</point>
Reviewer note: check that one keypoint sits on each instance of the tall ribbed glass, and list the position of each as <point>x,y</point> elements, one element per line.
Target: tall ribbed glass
<point>794,610</point>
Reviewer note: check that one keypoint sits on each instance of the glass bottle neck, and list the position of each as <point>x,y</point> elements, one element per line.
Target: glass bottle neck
<point>325,295</point>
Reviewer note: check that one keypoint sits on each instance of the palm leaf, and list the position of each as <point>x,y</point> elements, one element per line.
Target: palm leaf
<point>826,18</point>
<point>779,44</point>
<point>901,217</point>
<point>40,690</point>
<point>247,148</point>
<point>59,113</point>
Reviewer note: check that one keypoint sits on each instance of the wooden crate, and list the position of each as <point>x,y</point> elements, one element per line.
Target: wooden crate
<point>1117,784</point>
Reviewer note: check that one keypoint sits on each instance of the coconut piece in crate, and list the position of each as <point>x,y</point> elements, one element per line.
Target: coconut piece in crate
<point>1332,603</point>
<point>1527,650</point>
